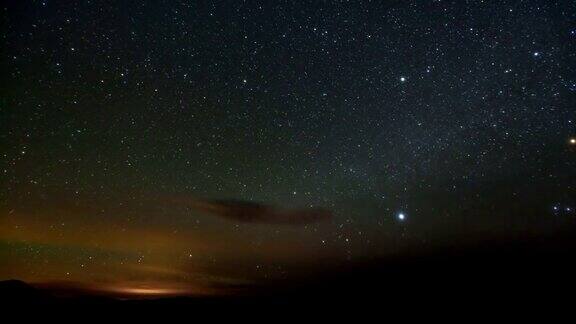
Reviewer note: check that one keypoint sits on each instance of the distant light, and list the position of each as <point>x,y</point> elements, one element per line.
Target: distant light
<point>402,79</point>
<point>572,141</point>
<point>401,216</point>
<point>536,53</point>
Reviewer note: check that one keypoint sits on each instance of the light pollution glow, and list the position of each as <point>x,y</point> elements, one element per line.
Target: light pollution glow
<point>69,243</point>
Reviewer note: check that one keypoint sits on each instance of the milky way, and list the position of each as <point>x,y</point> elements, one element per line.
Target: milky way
<point>408,124</point>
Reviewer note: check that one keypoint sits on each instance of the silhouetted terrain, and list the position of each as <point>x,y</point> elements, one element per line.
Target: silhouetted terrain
<point>17,291</point>
<point>532,271</point>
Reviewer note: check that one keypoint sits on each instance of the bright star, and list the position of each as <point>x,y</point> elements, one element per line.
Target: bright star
<point>401,216</point>
<point>402,79</point>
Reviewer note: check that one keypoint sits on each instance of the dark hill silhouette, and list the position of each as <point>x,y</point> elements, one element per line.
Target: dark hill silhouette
<point>533,272</point>
<point>16,291</point>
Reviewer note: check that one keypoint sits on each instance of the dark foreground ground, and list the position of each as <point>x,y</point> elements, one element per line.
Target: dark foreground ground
<point>521,275</point>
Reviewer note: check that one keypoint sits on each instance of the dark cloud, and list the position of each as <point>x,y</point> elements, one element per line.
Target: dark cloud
<point>251,212</point>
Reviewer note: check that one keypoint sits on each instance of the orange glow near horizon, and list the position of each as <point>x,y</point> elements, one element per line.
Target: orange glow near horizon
<point>51,247</point>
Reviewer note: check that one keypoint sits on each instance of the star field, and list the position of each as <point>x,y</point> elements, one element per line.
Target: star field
<point>414,122</point>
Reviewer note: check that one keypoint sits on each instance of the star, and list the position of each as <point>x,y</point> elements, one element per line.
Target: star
<point>134,129</point>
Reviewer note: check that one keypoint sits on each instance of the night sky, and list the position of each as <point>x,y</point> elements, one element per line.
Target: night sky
<point>158,147</point>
